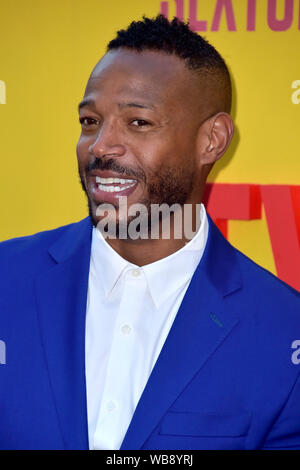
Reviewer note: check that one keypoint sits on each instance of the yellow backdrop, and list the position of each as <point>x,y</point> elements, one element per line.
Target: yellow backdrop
<point>48,49</point>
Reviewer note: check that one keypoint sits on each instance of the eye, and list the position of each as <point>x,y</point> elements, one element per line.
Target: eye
<point>140,123</point>
<point>87,121</point>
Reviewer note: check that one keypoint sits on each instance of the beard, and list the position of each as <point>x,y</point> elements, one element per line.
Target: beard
<point>168,185</point>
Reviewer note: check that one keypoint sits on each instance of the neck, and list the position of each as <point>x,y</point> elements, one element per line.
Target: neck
<point>145,251</point>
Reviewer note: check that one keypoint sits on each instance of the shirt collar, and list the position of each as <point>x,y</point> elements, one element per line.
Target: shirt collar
<point>107,264</point>
<point>175,270</point>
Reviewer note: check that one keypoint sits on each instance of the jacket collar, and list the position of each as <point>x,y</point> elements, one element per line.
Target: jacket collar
<point>218,262</point>
<point>73,237</point>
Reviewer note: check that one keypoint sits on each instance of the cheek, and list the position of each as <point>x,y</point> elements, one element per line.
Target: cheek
<point>82,150</point>
<point>154,153</point>
<point>173,154</point>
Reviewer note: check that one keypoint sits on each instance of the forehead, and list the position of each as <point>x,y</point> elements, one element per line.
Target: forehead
<point>150,75</point>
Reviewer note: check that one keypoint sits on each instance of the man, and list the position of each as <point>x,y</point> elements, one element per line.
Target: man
<point>147,342</point>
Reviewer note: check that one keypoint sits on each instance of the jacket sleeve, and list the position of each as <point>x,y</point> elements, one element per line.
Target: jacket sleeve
<point>285,432</point>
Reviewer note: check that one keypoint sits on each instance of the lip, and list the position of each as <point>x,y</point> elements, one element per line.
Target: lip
<point>109,174</point>
<point>101,196</point>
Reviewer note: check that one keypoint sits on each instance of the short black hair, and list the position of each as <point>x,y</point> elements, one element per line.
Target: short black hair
<point>175,37</point>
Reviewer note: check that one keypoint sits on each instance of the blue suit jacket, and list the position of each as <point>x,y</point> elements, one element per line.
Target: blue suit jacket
<point>224,378</point>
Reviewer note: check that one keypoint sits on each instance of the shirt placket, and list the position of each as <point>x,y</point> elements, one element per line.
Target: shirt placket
<point>124,373</point>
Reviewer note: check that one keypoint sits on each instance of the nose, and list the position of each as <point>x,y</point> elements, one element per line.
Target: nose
<point>107,142</point>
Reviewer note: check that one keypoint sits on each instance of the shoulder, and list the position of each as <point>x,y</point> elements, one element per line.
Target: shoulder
<point>233,271</point>
<point>30,241</point>
<point>261,282</point>
<point>20,245</point>
<point>25,255</point>
<point>268,307</point>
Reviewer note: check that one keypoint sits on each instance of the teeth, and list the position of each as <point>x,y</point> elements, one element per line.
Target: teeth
<point>113,180</point>
<point>113,189</point>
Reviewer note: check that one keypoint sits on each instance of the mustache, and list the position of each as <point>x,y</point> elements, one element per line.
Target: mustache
<point>110,164</point>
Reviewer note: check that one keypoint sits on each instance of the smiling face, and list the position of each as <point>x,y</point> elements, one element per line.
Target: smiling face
<point>140,117</point>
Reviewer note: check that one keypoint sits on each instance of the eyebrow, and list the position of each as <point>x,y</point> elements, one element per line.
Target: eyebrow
<point>86,102</point>
<point>90,102</point>
<point>136,105</point>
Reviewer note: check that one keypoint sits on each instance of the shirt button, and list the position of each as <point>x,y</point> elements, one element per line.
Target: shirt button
<point>126,330</point>
<point>135,272</point>
<point>110,406</point>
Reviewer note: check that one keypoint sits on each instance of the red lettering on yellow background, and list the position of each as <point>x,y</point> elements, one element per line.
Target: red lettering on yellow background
<point>195,24</point>
<point>232,201</point>
<point>295,194</point>
<point>282,208</point>
<point>285,23</point>
<point>251,15</point>
<point>280,204</point>
<point>164,9</point>
<point>226,8</point>
<point>225,5</point>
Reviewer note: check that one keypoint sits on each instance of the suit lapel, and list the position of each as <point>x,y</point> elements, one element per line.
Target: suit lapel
<point>61,299</point>
<point>198,330</point>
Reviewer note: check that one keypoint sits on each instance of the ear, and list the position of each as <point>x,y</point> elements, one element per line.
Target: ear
<point>214,137</point>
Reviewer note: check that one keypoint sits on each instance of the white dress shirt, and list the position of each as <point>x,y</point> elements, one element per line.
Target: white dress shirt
<point>130,311</point>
